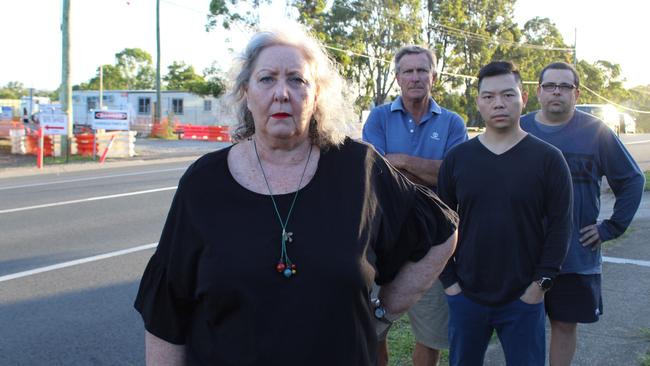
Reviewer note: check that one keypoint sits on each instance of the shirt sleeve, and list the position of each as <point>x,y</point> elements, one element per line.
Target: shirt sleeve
<point>558,215</point>
<point>165,296</point>
<point>626,181</point>
<point>447,193</point>
<point>413,219</point>
<point>374,131</point>
<point>457,132</point>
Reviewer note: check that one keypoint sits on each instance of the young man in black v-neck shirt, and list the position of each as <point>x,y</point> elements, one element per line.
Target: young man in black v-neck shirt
<point>513,194</point>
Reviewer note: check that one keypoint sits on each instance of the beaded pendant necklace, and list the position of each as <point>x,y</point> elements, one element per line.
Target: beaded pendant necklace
<point>284,266</point>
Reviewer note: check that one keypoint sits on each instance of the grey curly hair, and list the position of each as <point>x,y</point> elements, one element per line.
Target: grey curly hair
<point>328,124</point>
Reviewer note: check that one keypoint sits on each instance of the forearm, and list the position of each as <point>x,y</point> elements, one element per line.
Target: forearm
<point>415,278</point>
<point>162,353</point>
<point>420,170</point>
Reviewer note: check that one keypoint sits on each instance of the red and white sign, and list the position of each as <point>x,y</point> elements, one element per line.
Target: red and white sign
<point>54,123</point>
<point>110,120</point>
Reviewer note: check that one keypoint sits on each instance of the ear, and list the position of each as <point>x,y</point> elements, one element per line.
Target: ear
<point>577,91</point>
<point>524,98</point>
<point>539,90</point>
<point>434,77</point>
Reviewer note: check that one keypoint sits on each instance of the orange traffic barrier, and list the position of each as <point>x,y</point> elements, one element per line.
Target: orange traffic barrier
<point>85,144</point>
<point>207,133</point>
<point>31,145</point>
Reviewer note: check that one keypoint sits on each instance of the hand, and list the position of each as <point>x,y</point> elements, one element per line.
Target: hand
<point>590,237</point>
<point>533,295</point>
<point>453,289</point>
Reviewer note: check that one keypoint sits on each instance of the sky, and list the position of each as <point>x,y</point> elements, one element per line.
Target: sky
<point>609,30</point>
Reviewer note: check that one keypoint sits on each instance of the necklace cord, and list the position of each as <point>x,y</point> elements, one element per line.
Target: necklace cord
<point>284,258</point>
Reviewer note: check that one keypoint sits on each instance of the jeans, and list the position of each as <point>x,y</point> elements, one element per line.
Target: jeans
<point>520,327</point>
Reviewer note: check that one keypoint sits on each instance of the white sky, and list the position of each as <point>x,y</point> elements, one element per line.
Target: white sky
<point>31,39</point>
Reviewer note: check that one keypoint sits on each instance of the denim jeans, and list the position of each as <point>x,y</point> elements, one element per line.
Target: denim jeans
<point>520,327</point>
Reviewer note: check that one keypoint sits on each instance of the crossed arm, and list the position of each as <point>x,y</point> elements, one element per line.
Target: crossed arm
<point>418,170</point>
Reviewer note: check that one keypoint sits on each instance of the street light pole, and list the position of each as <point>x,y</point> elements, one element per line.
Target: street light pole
<point>158,113</point>
<point>66,87</point>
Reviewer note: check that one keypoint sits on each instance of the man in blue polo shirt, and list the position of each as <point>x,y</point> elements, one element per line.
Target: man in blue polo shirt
<point>414,134</point>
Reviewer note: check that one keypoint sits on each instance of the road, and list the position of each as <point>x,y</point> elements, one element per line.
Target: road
<point>73,246</point>
<point>81,314</point>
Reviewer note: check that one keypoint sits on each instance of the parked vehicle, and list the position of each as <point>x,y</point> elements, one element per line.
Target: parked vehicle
<point>627,123</point>
<point>606,112</point>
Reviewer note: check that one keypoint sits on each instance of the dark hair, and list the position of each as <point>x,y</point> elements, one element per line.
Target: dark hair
<point>561,66</point>
<point>415,50</point>
<point>496,68</point>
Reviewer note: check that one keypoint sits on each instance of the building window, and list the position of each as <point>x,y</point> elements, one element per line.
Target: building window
<point>92,103</point>
<point>144,105</point>
<point>177,106</point>
<point>207,105</point>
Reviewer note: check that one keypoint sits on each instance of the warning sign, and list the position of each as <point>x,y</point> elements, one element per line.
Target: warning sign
<point>110,120</point>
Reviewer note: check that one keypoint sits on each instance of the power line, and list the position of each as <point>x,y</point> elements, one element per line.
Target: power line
<point>614,103</point>
<point>460,32</point>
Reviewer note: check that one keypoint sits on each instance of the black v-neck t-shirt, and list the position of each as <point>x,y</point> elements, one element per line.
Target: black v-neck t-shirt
<point>212,284</point>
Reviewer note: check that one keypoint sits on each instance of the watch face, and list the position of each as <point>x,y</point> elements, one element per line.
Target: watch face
<point>379,312</point>
<point>545,283</point>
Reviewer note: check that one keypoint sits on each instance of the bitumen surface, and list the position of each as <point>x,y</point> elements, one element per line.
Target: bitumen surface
<point>621,337</point>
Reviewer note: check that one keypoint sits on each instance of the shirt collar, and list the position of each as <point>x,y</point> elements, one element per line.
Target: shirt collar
<point>397,105</point>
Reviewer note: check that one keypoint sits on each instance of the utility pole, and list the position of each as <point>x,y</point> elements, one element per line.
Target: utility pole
<point>575,43</point>
<point>158,113</point>
<point>66,87</point>
<point>101,87</point>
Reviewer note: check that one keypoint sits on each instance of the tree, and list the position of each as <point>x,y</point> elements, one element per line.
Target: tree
<point>180,76</point>
<point>466,36</point>
<point>13,90</point>
<point>373,28</point>
<point>229,12</point>
<point>133,69</point>
<point>136,67</point>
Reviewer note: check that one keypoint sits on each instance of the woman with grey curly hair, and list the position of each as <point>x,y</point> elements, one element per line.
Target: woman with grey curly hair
<point>272,245</point>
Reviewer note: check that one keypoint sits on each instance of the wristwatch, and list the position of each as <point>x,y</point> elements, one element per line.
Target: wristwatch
<point>545,283</point>
<point>380,312</point>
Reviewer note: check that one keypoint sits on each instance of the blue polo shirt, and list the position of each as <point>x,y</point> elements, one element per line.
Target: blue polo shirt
<point>391,129</point>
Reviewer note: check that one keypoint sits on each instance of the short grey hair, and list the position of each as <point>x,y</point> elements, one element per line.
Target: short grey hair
<point>329,123</point>
<point>415,50</point>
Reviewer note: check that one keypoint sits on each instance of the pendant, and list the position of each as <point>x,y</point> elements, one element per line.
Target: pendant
<point>287,236</point>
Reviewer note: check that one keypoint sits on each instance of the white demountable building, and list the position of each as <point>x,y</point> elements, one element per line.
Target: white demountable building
<point>183,107</point>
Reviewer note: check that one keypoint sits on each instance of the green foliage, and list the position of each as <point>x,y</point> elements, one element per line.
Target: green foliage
<point>180,76</point>
<point>133,70</point>
<point>13,90</point>
<point>226,13</point>
<point>375,28</point>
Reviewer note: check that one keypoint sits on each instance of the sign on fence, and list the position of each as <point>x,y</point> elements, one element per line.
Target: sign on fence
<point>110,120</point>
<point>7,113</point>
<point>54,123</point>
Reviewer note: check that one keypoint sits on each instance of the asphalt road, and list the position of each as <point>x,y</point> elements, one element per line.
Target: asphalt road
<point>74,243</point>
<point>81,314</point>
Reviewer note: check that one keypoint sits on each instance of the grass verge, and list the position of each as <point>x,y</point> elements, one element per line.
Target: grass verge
<point>401,343</point>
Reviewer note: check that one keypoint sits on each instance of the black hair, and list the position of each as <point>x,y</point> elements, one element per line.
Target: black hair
<point>496,68</point>
<point>561,66</point>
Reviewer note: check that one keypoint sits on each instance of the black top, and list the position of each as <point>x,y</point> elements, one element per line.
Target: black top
<point>515,217</point>
<point>212,283</point>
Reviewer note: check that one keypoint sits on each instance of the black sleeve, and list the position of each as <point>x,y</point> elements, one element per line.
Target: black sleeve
<point>447,192</point>
<point>165,296</point>
<point>413,219</point>
<point>559,210</point>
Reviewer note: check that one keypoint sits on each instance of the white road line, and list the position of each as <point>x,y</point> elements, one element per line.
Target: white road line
<point>638,262</point>
<point>90,178</point>
<point>76,262</point>
<point>636,142</point>
<point>87,200</point>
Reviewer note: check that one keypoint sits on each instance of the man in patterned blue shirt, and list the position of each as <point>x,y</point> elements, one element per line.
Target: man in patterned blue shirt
<point>592,151</point>
<point>414,134</point>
